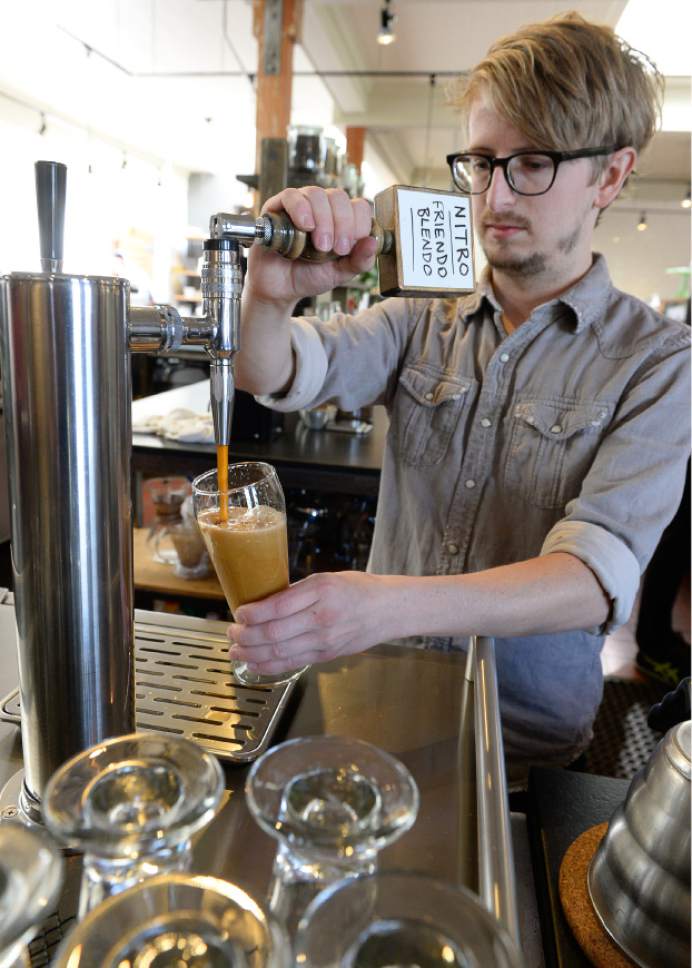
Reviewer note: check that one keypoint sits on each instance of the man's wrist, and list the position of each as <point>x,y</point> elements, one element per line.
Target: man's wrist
<point>405,606</point>
<point>268,308</point>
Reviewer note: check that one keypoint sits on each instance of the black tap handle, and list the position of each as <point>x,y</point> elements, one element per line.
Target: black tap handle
<point>51,177</point>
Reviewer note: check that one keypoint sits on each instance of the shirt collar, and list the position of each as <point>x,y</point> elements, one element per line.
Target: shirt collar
<point>584,301</point>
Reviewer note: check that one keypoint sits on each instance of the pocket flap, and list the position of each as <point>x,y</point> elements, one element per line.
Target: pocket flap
<point>432,388</point>
<point>559,421</point>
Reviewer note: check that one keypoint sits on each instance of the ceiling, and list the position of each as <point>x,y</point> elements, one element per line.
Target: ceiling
<point>169,78</point>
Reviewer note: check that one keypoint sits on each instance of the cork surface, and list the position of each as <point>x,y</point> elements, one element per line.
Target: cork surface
<point>576,903</point>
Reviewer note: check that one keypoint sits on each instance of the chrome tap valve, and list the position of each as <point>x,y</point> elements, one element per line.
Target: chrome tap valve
<point>222,287</point>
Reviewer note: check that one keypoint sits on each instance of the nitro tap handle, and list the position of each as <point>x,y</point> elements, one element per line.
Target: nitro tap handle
<point>51,177</point>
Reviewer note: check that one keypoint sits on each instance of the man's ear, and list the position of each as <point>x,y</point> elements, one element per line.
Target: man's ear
<point>609,183</point>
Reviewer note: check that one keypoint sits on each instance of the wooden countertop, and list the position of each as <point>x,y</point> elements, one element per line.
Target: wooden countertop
<point>155,576</point>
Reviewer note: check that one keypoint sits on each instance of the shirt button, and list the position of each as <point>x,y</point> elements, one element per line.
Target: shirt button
<point>429,395</point>
<point>470,483</point>
<point>485,422</point>
<point>556,429</point>
<point>453,549</point>
<point>504,357</point>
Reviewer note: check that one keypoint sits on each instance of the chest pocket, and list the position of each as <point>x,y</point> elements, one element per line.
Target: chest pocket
<point>429,404</point>
<point>551,448</point>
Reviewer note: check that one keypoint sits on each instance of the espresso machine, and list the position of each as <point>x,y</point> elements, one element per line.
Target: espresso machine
<point>65,345</point>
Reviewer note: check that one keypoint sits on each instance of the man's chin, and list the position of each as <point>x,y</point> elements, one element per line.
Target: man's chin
<point>529,265</point>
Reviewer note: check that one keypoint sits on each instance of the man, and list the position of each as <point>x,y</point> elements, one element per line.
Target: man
<point>538,429</point>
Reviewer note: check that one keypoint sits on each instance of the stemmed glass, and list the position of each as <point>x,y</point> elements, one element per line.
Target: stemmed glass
<point>245,533</point>
<point>393,918</point>
<point>31,874</point>
<point>332,803</point>
<point>131,804</point>
<point>176,920</point>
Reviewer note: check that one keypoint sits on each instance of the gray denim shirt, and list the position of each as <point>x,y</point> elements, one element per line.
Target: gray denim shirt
<point>571,434</point>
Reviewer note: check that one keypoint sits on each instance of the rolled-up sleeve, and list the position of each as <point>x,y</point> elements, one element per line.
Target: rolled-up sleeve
<point>635,483</point>
<point>310,369</point>
<point>352,361</point>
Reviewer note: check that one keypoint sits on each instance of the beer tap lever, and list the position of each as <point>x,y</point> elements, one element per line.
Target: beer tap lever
<point>276,231</point>
<point>51,177</point>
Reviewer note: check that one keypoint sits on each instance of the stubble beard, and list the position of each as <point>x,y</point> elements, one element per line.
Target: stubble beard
<point>534,264</point>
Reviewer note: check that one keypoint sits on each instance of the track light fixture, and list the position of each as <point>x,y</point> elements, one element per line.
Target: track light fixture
<point>386,35</point>
<point>642,226</point>
<point>687,200</point>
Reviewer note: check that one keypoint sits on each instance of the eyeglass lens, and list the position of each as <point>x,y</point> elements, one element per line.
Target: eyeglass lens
<point>529,174</point>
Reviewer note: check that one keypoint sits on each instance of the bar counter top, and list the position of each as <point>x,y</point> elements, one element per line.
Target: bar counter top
<point>324,459</point>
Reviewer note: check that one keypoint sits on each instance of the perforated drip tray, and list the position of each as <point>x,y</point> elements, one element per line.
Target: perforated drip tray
<point>184,685</point>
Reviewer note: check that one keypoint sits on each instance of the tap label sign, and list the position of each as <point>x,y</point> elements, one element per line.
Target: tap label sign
<point>435,241</point>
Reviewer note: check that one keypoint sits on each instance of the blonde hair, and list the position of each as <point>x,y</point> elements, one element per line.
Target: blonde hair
<point>568,83</point>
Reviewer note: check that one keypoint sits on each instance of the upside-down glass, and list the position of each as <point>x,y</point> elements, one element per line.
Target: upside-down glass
<point>249,550</point>
<point>131,804</point>
<point>394,918</point>
<point>31,873</point>
<point>177,920</point>
<point>332,803</point>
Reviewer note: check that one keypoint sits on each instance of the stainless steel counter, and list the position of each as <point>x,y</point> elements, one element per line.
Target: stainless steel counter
<point>404,701</point>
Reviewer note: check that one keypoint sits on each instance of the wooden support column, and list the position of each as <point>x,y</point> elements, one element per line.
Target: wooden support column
<point>277,28</point>
<point>355,146</point>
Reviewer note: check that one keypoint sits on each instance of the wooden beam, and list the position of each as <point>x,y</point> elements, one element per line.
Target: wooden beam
<point>355,146</point>
<point>277,28</point>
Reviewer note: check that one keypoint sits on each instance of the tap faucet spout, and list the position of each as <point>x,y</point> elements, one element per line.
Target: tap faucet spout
<point>221,393</point>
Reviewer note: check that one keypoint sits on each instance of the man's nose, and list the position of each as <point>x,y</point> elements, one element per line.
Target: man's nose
<point>499,194</point>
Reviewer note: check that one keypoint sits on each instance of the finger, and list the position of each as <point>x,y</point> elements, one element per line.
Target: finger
<point>276,631</point>
<point>297,662</point>
<point>278,650</point>
<point>361,259</point>
<point>323,233</point>
<point>296,206</point>
<point>344,222</point>
<point>362,217</point>
<point>280,605</point>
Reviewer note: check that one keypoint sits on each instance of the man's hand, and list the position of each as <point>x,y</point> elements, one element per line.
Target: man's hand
<point>319,618</point>
<point>335,223</point>
<point>338,613</point>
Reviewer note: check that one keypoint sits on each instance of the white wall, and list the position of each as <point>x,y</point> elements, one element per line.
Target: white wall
<point>638,260</point>
<point>103,208</point>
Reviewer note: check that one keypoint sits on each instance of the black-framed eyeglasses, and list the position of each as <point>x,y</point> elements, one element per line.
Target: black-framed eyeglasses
<point>526,172</point>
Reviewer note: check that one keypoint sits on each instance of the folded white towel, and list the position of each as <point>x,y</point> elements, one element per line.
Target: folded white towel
<point>183,425</point>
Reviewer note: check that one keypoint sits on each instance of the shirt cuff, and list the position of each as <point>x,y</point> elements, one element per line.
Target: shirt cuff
<point>310,373</point>
<point>608,557</point>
